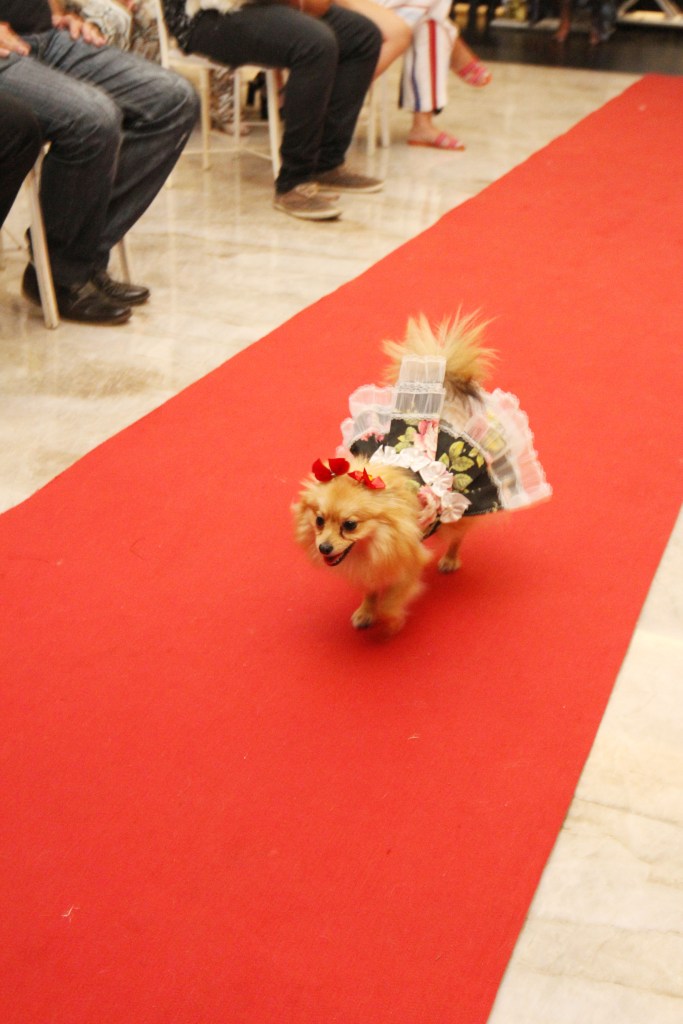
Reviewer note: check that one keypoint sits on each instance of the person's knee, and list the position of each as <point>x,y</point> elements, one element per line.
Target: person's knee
<point>374,37</point>
<point>20,134</point>
<point>366,36</point>
<point>92,131</point>
<point>170,98</point>
<point>318,44</point>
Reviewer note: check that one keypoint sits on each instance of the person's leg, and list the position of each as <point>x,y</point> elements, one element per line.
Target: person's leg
<point>424,81</point>
<point>603,19</point>
<point>565,21</point>
<point>424,84</point>
<point>155,111</point>
<point>277,36</point>
<point>50,95</point>
<point>83,128</point>
<point>20,142</point>
<point>109,154</point>
<point>331,62</point>
<point>465,63</point>
<point>359,42</point>
<point>396,32</point>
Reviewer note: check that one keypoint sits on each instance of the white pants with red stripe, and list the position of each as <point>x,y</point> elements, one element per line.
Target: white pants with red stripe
<point>424,84</point>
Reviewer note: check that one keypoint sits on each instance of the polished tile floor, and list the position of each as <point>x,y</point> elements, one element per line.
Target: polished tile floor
<point>633,48</point>
<point>604,939</point>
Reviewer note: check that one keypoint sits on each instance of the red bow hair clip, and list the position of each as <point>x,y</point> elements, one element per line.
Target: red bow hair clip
<point>375,483</point>
<point>339,467</point>
<point>335,467</point>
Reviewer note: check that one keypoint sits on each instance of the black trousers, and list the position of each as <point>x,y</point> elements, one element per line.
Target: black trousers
<point>20,143</point>
<point>331,61</point>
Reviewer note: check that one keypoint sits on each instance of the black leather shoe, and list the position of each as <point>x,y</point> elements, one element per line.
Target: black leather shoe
<point>82,303</point>
<point>120,292</point>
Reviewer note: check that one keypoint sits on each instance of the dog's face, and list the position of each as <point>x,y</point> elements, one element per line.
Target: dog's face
<point>367,532</point>
<point>332,518</point>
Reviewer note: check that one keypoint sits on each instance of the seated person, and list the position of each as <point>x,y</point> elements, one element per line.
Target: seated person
<point>132,25</point>
<point>435,48</point>
<point>331,60</point>
<point>116,125</point>
<point>20,143</point>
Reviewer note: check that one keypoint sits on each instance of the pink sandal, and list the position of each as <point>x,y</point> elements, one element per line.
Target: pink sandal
<point>442,141</point>
<point>475,73</point>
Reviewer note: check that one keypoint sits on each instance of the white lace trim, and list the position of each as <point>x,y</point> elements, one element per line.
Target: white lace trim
<point>434,474</point>
<point>493,423</point>
<point>501,430</point>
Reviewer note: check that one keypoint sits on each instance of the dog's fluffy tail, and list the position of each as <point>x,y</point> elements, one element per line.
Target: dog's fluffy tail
<point>458,340</point>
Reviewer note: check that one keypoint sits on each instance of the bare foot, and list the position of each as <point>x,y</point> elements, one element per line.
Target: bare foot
<point>436,140</point>
<point>423,132</point>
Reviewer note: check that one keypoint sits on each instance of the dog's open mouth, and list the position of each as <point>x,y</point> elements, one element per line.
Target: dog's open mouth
<point>336,559</point>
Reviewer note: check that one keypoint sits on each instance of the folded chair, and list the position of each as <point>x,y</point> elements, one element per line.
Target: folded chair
<point>198,70</point>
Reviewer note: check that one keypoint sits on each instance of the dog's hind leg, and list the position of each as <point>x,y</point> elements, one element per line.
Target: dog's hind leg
<point>455,534</point>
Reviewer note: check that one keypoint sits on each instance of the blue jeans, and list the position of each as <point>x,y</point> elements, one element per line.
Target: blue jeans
<point>331,61</point>
<point>116,124</point>
<point>20,143</point>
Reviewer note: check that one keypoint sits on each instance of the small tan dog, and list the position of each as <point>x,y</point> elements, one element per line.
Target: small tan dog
<point>431,450</point>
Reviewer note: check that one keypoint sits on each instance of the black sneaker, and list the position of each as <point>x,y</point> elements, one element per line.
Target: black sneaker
<point>81,303</point>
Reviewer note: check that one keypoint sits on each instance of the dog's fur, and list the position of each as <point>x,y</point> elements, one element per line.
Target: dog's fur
<point>374,536</point>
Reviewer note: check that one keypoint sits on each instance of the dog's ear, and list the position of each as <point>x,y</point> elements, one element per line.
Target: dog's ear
<point>303,512</point>
<point>306,500</point>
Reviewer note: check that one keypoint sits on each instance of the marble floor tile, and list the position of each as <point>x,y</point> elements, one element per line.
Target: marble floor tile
<point>603,941</point>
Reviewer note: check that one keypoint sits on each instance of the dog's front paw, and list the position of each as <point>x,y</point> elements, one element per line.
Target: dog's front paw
<point>362,618</point>
<point>449,563</point>
<point>393,625</point>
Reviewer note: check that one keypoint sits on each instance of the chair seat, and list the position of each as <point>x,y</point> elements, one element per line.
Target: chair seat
<point>198,67</point>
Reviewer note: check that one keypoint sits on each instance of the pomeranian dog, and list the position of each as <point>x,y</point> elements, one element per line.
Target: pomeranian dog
<point>431,450</point>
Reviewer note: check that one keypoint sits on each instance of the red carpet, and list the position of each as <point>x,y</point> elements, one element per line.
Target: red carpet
<point>223,806</point>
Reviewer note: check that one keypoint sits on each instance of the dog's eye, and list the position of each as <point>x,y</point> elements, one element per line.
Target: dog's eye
<point>349,525</point>
<point>319,522</point>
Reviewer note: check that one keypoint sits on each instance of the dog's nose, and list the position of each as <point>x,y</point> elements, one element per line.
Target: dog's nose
<point>325,549</point>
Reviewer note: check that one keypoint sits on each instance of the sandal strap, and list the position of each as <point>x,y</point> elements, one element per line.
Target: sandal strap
<point>474,72</point>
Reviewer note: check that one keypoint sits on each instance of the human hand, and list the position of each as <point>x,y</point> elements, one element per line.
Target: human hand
<point>78,28</point>
<point>10,42</point>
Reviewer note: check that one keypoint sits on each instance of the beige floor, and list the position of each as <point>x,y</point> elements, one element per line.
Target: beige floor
<point>604,939</point>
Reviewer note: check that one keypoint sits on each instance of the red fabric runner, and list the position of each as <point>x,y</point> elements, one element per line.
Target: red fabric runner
<point>223,806</point>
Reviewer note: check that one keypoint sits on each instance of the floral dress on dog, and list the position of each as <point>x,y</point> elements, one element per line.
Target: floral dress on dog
<point>469,455</point>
